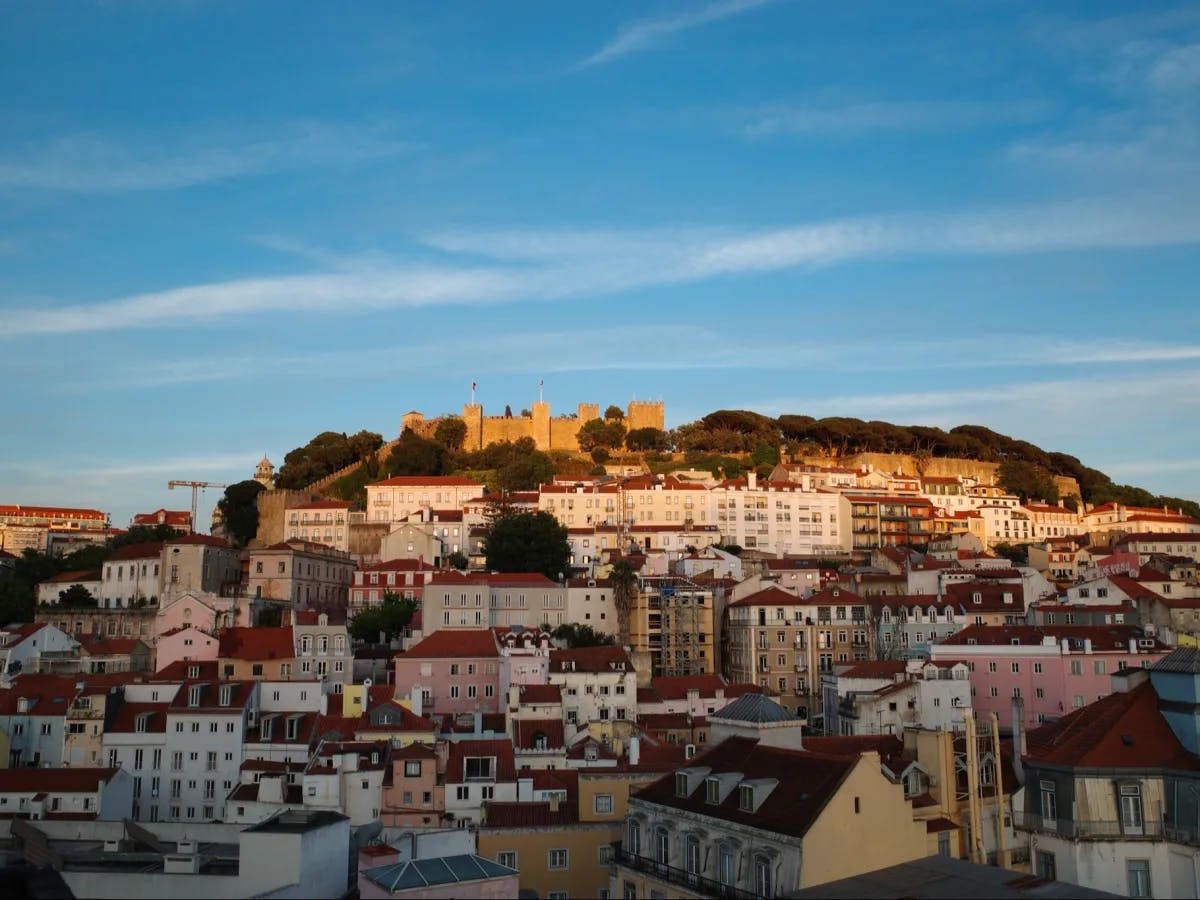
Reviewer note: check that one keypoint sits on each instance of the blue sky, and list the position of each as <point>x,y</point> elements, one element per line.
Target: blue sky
<point>227,226</point>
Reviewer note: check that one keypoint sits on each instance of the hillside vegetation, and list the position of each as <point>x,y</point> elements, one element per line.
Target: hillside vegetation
<point>726,442</point>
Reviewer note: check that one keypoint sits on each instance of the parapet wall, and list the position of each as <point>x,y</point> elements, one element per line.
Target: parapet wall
<point>547,432</point>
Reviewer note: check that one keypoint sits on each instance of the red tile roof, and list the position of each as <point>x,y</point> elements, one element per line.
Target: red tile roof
<point>541,693</point>
<point>427,481</point>
<point>806,782</point>
<point>1123,730</point>
<point>256,643</point>
<point>590,659</point>
<point>136,551</point>
<point>505,767</point>
<point>772,596</point>
<point>110,646</point>
<point>73,577</point>
<point>57,781</point>
<point>178,518</point>
<point>526,814</point>
<point>1103,637</point>
<point>207,669</point>
<point>526,731</point>
<point>455,644</point>
<point>205,539</point>
<point>878,668</point>
<point>57,512</point>
<point>125,721</point>
<point>676,687</point>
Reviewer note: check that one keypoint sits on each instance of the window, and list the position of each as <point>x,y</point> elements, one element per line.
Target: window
<point>662,846</point>
<point>602,804</point>
<point>507,858</point>
<point>557,858</point>
<point>1137,871</point>
<point>1016,667</point>
<point>1131,809</point>
<point>412,768</point>
<point>1049,803</point>
<point>726,865</point>
<point>1099,667</point>
<point>479,768</point>
<point>992,667</point>
<point>745,798</point>
<point>462,792</point>
<point>762,876</point>
<point>692,857</point>
<point>1076,667</point>
<point>633,836</point>
<point>1037,667</point>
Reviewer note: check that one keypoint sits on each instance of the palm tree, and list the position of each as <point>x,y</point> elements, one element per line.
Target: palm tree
<point>624,584</point>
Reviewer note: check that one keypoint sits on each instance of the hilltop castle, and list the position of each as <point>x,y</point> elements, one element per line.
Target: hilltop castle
<point>548,433</point>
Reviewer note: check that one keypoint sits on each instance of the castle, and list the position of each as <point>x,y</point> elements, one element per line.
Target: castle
<point>548,433</point>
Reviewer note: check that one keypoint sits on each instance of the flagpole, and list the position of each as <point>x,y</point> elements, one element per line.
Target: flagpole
<point>541,383</point>
<point>472,393</point>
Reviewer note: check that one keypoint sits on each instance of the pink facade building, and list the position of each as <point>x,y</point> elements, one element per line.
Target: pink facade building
<point>403,577</point>
<point>1053,669</point>
<point>455,672</point>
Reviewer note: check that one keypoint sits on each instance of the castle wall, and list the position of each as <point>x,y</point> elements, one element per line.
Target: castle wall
<point>645,414</point>
<point>548,433</point>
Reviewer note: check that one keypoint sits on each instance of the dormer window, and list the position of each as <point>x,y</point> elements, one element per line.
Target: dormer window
<point>226,694</point>
<point>141,722</point>
<point>194,695</point>
<point>681,784</point>
<point>746,797</point>
<point>193,672</point>
<point>293,727</point>
<point>712,791</point>
<point>976,597</point>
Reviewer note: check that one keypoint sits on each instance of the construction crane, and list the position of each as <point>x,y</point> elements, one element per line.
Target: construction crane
<point>196,487</point>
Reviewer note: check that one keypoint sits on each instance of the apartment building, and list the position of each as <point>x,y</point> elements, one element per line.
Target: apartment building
<point>889,520</point>
<point>674,621</point>
<point>395,499</point>
<point>598,684</point>
<point>301,572</point>
<point>320,522</point>
<point>453,671</point>
<point>768,637</point>
<point>456,600</point>
<point>781,517</point>
<point>403,577</point>
<point>887,696</point>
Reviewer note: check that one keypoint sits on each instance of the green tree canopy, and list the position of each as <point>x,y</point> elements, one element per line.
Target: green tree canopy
<point>1027,480</point>
<point>416,455</point>
<point>388,618</point>
<point>581,635</point>
<point>450,433</point>
<point>528,542</point>
<point>328,452</point>
<point>599,433</point>
<point>614,412</point>
<point>652,439</point>
<point>239,507</point>
<point>77,596</point>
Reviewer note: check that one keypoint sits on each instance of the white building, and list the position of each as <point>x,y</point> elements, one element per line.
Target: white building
<point>886,697</point>
<point>395,499</point>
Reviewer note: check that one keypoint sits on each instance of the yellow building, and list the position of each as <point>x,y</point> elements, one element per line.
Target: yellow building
<point>673,621</point>
<point>764,820</point>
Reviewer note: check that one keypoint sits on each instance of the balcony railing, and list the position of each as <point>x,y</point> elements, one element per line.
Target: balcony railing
<point>1105,830</point>
<point>689,881</point>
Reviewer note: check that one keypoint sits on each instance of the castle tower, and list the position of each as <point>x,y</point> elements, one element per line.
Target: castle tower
<point>264,474</point>
<point>541,425</point>
<point>587,412</point>
<point>412,420</point>
<point>473,416</point>
<point>645,414</point>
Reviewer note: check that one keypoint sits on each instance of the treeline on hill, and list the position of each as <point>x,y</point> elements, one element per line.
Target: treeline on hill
<point>726,442</point>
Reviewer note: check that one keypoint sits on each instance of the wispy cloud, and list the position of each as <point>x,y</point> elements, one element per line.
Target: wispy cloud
<point>1177,70</point>
<point>853,119</point>
<point>520,264</point>
<point>100,163</point>
<point>646,33</point>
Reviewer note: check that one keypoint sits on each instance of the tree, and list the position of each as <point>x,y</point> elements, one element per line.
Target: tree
<point>624,585</point>
<point>600,455</point>
<point>450,433</point>
<point>651,439</point>
<point>416,455</point>
<point>525,471</point>
<point>76,595</point>
<point>388,618</point>
<point>528,542</point>
<point>458,561</point>
<point>581,635</point>
<point>1027,480</point>
<point>239,507</point>
<point>614,413</point>
<point>364,444</point>
<point>599,433</point>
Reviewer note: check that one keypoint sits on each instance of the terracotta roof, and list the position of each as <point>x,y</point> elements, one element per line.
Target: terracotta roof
<point>73,577</point>
<point>676,687</point>
<point>13,635</point>
<point>1103,637</point>
<point>58,512</point>
<point>876,668</point>
<point>110,646</point>
<point>805,783</point>
<point>399,565</point>
<point>207,669</point>
<point>671,721</point>
<point>1123,730</point>
<point>505,767</point>
<point>537,814</point>
<point>206,539</point>
<point>256,643</point>
<point>427,481</point>
<point>311,617</point>
<point>834,596</point>
<point>541,693</point>
<point>210,697</point>
<point>590,659</point>
<point>453,644</point>
<point>498,580</point>
<point>323,504</point>
<point>772,596</point>
<point>174,517</point>
<point>125,721</point>
<point>136,551</point>
<point>526,731</point>
<point>57,781</point>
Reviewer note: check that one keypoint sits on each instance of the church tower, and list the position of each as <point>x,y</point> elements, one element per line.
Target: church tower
<point>264,474</point>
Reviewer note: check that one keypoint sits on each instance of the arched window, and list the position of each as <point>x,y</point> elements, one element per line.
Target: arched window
<point>762,876</point>
<point>633,836</point>
<point>323,644</point>
<point>306,644</point>
<point>662,846</point>
<point>727,864</point>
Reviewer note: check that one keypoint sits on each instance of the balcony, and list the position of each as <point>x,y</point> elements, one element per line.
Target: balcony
<point>1105,830</point>
<point>690,882</point>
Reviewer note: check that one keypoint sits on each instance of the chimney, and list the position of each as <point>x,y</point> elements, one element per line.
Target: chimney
<point>1018,737</point>
<point>752,480</point>
<point>635,751</point>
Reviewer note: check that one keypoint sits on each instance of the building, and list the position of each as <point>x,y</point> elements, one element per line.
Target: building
<point>887,696</point>
<point>403,577</point>
<point>320,522</point>
<point>478,773</point>
<point>452,671</point>
<point>547,432</point>
<point>781,517</point>
<point>179,519</point>
<point>1119,520</point>
<point>416,796</point>
<point>132,576</point>
<point>1053,669</point>
<point>305,574</point>
<point>30,527</point>
<point>885,520</point>
<point>768,637</point>
<point>75,794</point>
<point>1110,789</point>
<point>673,621</point>
<point>456,600</point>
<point>599,686</point>
<point>396,499</point>
<point>49,591</point>
<point>763,821</point>
<point>23,647</point>
<point>261,653</point>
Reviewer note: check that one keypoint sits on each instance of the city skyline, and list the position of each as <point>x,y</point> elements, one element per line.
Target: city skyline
<point>222,232</point>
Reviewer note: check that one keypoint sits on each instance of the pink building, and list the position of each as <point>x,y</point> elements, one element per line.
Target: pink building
<point>416,798</point>
<point>456,672</point>
<point>184,643</point>
<point>1054,669</point>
